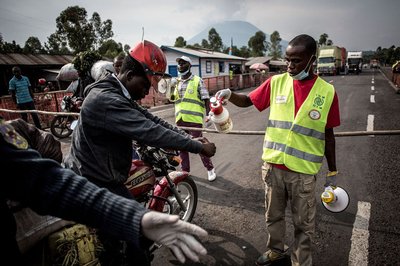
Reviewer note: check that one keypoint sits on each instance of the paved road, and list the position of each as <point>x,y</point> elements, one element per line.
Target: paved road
<point>367,233</point>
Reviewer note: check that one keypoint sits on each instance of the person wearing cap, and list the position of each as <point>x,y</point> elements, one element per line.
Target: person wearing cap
<point>110,119</point>
<point>192,102</point>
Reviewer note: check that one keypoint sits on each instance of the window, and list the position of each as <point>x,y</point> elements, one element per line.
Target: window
<point>221,65</point>
<point>208,66</point>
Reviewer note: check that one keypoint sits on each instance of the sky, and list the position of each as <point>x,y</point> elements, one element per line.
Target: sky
<point>353,24</point>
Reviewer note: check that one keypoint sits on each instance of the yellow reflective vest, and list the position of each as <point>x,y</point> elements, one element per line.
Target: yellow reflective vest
<point>190,108</point>
<point>298,141</point>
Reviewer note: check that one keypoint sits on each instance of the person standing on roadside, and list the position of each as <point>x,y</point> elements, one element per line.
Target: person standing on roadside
<point>304,109</point>
<point>192,103</point>
<point>110,119</point>
<point>22,95</point>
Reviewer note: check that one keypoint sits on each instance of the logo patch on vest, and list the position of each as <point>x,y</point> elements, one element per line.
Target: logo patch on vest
<point>314,114</point>
<point>190,91</point>
<point>281,99</point>
<point>318,101</point>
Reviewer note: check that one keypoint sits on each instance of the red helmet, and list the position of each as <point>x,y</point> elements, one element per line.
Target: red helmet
<point>152,59</point>
<point>42,81</point>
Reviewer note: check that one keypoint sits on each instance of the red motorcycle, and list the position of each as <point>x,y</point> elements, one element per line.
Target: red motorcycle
<point>154,181</point>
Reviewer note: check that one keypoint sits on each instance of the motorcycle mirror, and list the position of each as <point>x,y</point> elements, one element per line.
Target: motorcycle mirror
<point>73,124</point>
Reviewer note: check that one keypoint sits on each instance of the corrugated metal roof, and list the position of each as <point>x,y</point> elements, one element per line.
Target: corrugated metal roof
<point>203,53</point>
<point>34,59</point>
<point>260,59</point>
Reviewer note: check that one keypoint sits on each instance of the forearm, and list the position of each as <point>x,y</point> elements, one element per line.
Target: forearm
<point>240,100</point>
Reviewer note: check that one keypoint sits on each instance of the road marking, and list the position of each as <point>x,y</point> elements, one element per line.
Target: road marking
<point>370,123</point>
<point>372,88</point>
<point>372,98</point>
<point>359,238</point>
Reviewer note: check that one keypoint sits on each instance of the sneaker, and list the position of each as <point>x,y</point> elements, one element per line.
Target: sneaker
<point>270,257</point>
<point>211,175</point>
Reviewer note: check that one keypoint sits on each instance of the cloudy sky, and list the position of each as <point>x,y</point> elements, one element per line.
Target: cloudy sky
<point>354,24</point>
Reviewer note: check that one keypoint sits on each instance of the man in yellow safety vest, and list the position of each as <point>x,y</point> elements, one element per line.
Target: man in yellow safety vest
<point>192,103</point>
<point>304,109</point>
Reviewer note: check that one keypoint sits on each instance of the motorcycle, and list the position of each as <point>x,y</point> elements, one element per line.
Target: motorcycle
<point>154,181</point>
<point>62,125</point>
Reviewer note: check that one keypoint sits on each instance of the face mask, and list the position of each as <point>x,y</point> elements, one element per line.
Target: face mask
<point>304,73</point>
<point>183,73</point>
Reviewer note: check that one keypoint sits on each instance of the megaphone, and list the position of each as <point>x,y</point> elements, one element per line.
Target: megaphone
<point>335,199</point>
<point>166,86</point>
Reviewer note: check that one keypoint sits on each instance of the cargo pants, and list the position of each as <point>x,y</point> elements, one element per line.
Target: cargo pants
<point>298,189</point>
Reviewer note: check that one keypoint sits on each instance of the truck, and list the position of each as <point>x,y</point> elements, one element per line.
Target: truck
<point>355,62</point>
<point>331,60</point>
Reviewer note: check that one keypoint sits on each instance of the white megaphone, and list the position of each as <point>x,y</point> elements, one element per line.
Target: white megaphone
<point>335,199</point>
<point>166,86</point>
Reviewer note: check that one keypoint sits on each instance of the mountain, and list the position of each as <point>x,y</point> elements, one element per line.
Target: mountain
<point>239,31</point>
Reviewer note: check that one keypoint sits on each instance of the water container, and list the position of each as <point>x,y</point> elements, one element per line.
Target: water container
<point>220,116</point>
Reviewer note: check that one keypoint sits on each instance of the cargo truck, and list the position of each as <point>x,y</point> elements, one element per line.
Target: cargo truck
<point>331,60</point>
<point>355,62</point>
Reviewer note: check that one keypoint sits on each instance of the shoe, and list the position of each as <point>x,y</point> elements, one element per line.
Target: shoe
<point>211,175</point>
<point>270,258</point>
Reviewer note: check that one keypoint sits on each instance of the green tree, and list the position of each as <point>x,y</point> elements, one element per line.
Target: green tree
<point>55,45</point>
<point>257,44</point>
<point>322,39</point>
<point>80,34</point>
<point>276,47</point>
<point>126,48</point>
<point>244,52</point>
<point>205,44</point>
<point>102,30</point>
<point>215,40</point>
<point>180,42</point>
<point>110,49</point>
<point>33,46</point>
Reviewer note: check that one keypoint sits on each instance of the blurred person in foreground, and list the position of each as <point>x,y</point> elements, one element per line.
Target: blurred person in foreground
<point>48,189</point>
<point>110,119</point>
<point>304,109</point>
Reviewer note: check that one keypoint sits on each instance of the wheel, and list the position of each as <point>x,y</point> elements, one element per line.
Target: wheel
<point>61,126</point>
<point>189,195</point>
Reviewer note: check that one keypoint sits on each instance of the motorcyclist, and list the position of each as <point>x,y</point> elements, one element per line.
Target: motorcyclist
<point>110,119</point>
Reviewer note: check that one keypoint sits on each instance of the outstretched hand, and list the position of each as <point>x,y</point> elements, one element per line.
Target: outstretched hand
<point>179,236</point>
<point>223,95</point>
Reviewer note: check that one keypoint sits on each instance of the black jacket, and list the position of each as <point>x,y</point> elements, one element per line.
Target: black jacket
<point>101,147</point>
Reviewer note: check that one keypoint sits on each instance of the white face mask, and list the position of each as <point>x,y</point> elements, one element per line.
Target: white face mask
<point>183,73</point>
<point>304,73</point>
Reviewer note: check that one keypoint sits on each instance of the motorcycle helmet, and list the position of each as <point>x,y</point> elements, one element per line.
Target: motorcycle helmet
<point>153,60</point>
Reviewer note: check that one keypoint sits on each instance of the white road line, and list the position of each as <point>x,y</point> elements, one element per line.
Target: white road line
<point>370,124</point>
<point>372,88</point>
<point>359,239</point>
<point>372,98</point>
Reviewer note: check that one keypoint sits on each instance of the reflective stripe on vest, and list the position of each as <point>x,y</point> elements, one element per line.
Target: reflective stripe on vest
<point>297,142</point>
<point>190,108</point>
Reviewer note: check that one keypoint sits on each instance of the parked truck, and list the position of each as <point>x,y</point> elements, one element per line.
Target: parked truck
<point>355,62</point>
<point>331,60</point>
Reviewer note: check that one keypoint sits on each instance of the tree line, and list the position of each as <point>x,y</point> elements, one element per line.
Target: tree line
<point>76,33</point>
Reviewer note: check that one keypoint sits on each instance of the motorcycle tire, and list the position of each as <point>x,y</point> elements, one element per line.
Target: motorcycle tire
<point>60,126</point>
<point>188,190</point>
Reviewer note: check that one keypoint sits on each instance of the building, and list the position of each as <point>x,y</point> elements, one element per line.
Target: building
<point>34,66</point>
<point>205,63</point>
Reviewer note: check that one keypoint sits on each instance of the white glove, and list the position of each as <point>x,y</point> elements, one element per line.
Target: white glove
<point>179,236</point>
<point>224,95</point>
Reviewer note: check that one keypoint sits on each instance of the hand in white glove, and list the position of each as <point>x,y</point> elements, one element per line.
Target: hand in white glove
<point>179,236</point>
<point>224,95</point>
<point>330,179</point>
